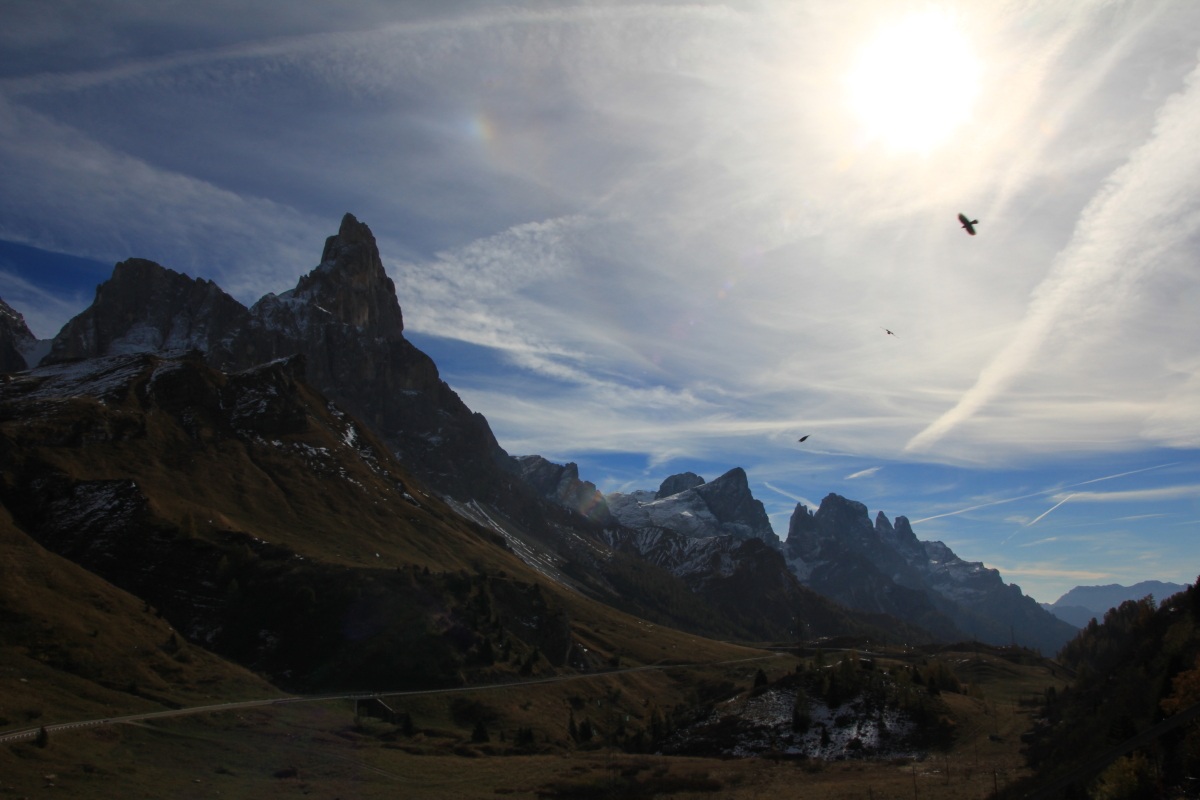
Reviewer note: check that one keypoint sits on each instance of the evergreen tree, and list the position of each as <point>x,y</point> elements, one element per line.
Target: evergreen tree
<point>801,711</point>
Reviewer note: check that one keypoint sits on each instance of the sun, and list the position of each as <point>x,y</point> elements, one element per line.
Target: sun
<point>915,83</point>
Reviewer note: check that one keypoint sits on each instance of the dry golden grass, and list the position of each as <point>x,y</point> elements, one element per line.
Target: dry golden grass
<point>73,646</point>
<point>320,749</point>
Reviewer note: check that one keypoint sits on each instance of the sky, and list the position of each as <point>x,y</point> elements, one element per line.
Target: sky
<point>659,237</point>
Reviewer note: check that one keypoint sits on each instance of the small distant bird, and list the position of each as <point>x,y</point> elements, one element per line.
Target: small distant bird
<point>885,330</point>
<point>968,224</point>
<point>802,438</point>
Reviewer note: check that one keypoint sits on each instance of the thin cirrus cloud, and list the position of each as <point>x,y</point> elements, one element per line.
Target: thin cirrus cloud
<point>1137,495</point>
<point>1143,215</point>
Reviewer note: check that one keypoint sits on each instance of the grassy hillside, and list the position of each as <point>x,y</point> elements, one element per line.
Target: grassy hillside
<point>433,748</point>
<point>270,528</point>
<point>73,646</point>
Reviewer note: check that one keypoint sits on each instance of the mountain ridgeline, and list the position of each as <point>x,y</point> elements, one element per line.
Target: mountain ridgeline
<point>286,409</point>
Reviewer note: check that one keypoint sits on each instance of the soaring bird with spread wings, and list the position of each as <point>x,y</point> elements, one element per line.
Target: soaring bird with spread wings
<point>968,224</point>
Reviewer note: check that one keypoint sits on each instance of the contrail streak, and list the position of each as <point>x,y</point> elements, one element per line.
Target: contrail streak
<point>1042,493</point>
<point>1041,516</point>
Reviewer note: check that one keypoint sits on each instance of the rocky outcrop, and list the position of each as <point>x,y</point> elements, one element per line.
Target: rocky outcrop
<point>561,484</point>
<point>15,339</point>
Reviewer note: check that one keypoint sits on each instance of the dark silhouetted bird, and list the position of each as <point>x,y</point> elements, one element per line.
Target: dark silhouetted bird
<point>968,224</point>
<point>802,438</point>
<point>885,330</point>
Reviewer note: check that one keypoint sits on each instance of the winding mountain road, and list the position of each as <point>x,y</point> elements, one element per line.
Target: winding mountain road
<point>32,733</point>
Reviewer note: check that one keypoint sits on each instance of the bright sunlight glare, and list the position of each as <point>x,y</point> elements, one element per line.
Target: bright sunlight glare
<point>914,84</point>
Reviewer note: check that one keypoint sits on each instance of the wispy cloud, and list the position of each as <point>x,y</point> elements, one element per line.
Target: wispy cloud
<point>1145,210</point>
<point>45,313</point>
<point>1078,575</point>
<point>1060,498</point>
<point>863,473</point>
<point>1137,495</point>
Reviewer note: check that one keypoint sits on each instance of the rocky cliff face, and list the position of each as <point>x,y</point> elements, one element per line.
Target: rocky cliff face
<point>144,307</point>
<point>884,567</point>
<point>748,580</point>
<point>263,521</point>
<point>15,339</point>
<point>722,507</point>
<point>343,317</point>
<point>561,484</point>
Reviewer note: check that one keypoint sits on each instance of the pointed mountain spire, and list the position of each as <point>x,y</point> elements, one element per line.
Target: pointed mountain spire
<point>351,284</point>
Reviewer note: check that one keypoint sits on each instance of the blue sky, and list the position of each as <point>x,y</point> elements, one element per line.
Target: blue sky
<point>662,237</point>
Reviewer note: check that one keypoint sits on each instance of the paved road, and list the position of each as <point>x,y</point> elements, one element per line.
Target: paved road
<point>32,733</point>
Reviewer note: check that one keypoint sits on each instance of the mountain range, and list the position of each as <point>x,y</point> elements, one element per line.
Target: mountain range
<point>193,451</point>
<point>1085,603</point>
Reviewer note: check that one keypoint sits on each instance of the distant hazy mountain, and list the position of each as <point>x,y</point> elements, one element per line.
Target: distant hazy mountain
<point>1084,603</point>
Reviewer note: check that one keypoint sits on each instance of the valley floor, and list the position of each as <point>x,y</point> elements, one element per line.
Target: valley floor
<point>323,750</point>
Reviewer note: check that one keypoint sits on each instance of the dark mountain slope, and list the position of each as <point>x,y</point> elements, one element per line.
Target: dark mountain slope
<point>1137,668</point>
<point>274,529</point>
<point>74,645</point>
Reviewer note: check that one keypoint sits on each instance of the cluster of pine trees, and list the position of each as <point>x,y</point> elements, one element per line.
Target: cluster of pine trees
<point>1123,729</point>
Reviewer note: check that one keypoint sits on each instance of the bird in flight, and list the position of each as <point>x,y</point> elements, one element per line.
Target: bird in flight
<point>968,224</point>
<point>802,438</point>
<point>885,330</point>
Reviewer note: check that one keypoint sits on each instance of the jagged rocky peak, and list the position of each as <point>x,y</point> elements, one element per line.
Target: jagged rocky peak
<point>145,307</point>
<point>15,339</point>
<point>722,507</point>
<point>900,535</point>
<point>838,512</point>
<point>678,483</point>
<point>730,500</point>
<point>560,484</point>
<point>882,567</point>
<point>802,522</point>
<point>351,284</point>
